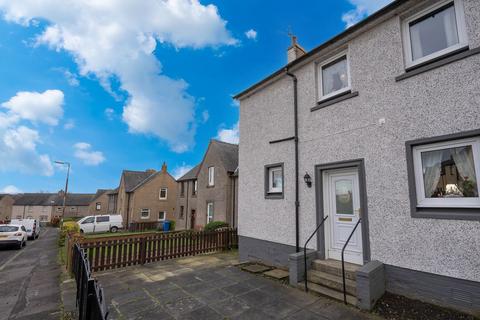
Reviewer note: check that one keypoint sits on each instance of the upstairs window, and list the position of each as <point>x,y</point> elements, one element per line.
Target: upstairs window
<point>98,206</point>
<point>163,193</point>
<point>434,32</point>
<point>333,77</point>
<point>182,189</point>
<point>447,174</point>
<point>211,176</point>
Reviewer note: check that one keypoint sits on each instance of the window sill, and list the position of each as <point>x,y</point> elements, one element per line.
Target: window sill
<point>438,62</point>
<point>447,213</point>
<point>335,99</point>
<point>274,195</point>
<point>212,186</point>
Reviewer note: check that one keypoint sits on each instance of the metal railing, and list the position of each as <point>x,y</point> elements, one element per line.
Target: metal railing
<point>305,253</point>
<point>343,261</point>
<point>90,299</point>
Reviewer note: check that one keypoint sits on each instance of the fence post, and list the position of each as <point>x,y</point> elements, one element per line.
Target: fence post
<point>143,250</point>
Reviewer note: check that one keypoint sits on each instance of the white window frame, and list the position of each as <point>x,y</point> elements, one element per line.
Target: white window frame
<point>98,206</point>
<point>160,194</point>
<point>164,215</point>
<point>461,29</point>
<point>144,210</point>
<point>195,187</point>
<point>210,217</point>
<point>424,202</point>
<point>322,64</point>
<point>211,176</point>
<point>270,179</point>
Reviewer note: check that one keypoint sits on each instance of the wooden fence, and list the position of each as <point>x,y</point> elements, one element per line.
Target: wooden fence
<point>115,252</point>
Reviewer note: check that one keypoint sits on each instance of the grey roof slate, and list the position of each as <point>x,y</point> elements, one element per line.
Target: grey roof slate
<point>35,199</point>
<point>75,199</point>
<point>190,175</point>
<point>133,178</point>
<point>228,154</point>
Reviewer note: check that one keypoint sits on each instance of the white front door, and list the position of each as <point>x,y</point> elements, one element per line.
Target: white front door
<point>342,205</point>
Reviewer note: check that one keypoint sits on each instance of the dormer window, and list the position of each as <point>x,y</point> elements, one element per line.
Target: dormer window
<point>434,32</point>
<point>333,77</point>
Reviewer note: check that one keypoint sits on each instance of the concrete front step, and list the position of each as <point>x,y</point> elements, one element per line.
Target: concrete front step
<point>334,267</point>
<point>327,292</point>
<point>333,282</point>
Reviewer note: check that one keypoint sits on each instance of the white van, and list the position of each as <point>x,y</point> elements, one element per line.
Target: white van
<point>31,225</point>
<point>103,223</point>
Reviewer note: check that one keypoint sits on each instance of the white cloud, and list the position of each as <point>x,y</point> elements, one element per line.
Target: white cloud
<point>363,8</point>
<point>205,116</point>
<point>231,135</point>
<point>43,107</point>
<point>89,157</point>
<point>69,124</point>
<point>181,170</point>
<point>71,78</point>
<point>235,103</point>
<point>109,113</point>
<point>251,34</point>
<point>11,189</point>
<point>115,40</point>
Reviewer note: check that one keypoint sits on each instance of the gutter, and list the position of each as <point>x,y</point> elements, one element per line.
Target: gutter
<point>295,139</point>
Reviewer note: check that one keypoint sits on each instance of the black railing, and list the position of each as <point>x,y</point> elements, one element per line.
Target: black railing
<point>343,261</point>
<point>305,253</point>
<point>90,300</point>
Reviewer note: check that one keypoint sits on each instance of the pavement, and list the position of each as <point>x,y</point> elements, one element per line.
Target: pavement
<point>211,287</point>
<point>30,278</point>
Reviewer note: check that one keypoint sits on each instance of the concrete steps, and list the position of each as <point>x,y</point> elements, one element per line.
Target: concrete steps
<point>325,278</point>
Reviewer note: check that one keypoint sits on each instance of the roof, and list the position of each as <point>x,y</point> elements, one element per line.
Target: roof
<point>35,199</point>
<point>190,175</point>
<point>133,178</point>
<point>100,192</point>
<point>114,191</point>
<point>228,153</point>
<point>75,199</point>
<point>356,27</point>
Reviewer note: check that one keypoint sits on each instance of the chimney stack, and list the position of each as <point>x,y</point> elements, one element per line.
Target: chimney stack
<point>295,51</point>
<point>150,171</point>
<point>164,167</point>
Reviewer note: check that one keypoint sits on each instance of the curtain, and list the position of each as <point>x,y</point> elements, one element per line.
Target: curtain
<point>463,158</point>
<point>450,26</point>
<point>416,43</point>
<point>431,163</point>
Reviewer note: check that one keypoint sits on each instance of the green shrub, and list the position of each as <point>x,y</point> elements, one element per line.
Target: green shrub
<point>67,227</point>
<point>172,225</point>
<point>214,225</point>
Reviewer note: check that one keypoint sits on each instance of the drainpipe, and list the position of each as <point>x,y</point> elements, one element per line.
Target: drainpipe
<point>295,124</point>
<point>233,204</point>
<point>185,214</point>
<point>128,210</point>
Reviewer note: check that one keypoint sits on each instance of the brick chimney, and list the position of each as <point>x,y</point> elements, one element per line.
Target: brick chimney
<point>164,167</point>
<point>295,51</point>
<point>150,171</point>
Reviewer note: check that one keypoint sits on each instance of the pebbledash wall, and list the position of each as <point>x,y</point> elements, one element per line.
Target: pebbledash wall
<point>373,126</point>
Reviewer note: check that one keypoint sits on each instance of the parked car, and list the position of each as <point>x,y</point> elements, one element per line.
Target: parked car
<point>103,223</point>
<point>13,234</point>
<point>32,226</point>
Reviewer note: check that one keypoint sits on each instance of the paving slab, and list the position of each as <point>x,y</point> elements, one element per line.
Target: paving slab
<point>256,268</point>
<point>278,274</point>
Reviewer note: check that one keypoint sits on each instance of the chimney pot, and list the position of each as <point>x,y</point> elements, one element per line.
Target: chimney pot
<point>295,51</point>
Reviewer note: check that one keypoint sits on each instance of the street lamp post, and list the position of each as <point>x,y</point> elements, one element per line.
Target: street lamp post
<point>66,184</point>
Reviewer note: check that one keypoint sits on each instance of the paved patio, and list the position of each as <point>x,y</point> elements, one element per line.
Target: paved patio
<point>211,287</point>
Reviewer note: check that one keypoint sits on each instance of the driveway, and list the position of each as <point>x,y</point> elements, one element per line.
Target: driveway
<point>29,279</point>
<point>211,287</point>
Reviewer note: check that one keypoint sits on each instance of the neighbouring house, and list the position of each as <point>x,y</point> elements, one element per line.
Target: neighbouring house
<point>38,206</point>
<point>146,196</point>
<point>100,202</point>
<point>208,192</point>
<point>112,201</point>
<point>76,205</point>
<point>377,128</point>
<point>6,203</point>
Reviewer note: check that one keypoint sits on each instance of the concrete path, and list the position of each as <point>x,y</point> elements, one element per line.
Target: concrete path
<point>29,279</point>
<point>211,287</point>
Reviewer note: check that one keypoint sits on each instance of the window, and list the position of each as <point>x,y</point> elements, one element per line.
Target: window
<point>447,174</point>
<point>72,208</point>
<point>333,77</point>
<point>59,209</point>
<point>88,220</point>
<point>433,32</point>
<point>182,189</point>
<point>274,181</point>
<point>145,213</point>
<point>98,206</point>
<point>163,194</point>
<point>194,190</point>
<point>162,215</point>
<point>209,212</point>
<point>211,176</point>
<point>181,212</point>
<point>103,219</point>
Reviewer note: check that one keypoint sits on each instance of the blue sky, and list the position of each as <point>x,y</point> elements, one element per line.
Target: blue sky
<point>119,86</point>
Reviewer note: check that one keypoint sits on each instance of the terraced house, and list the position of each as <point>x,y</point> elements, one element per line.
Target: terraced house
<point>374,134</point>
<point>146,196</point>
<point>209,191</point>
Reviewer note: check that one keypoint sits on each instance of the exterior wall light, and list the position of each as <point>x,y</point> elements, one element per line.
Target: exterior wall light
<point>308,180</point>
